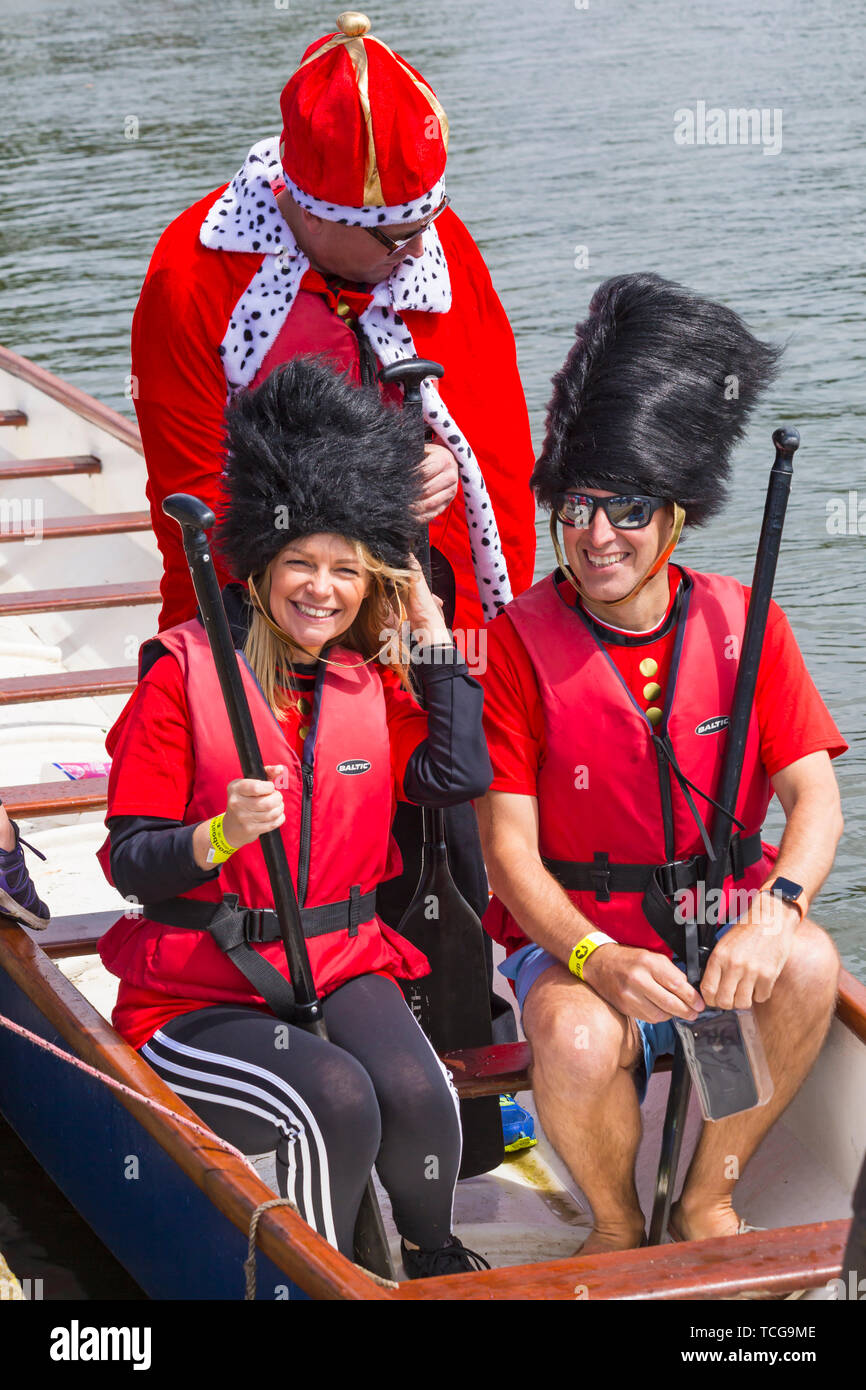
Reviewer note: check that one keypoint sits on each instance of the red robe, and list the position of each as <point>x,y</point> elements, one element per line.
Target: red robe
<point>180,393</point>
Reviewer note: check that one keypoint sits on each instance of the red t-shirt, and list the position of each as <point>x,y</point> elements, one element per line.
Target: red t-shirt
<point>152,775</point>
<point>792,718</point>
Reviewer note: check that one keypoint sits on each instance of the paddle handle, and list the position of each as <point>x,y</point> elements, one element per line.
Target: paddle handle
<point>787,441</point>
<point>194,517</point>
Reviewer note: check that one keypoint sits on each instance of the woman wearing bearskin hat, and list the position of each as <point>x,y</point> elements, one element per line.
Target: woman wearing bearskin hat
<point>607,692</point>
<point>322,504</point>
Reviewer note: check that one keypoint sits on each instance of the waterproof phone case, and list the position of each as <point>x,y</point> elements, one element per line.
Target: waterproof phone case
<point>726,1060</point>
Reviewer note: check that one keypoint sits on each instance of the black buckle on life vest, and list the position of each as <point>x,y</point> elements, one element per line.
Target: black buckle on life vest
<point>254,924</point>
<point>600,875</point>
<point>737,858</point>
<point>676,875</point>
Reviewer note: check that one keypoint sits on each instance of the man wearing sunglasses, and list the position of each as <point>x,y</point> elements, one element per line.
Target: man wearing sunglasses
<point>607,695</point>
<point>337,239</point>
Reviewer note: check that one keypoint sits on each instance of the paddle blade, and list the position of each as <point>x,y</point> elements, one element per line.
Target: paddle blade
<point>452,1003</point>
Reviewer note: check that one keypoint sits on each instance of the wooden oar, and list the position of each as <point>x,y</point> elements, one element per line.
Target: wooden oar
<point>194,518</point>
<point>787,441</point>
<point>452,1003</point>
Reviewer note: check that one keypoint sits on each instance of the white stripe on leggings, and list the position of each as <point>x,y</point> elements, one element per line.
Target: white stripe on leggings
<point>306,1126</point>
<point>455,1098</point>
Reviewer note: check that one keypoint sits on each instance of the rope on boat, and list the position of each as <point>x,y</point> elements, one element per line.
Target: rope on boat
<point>377,1278</point>
<point>250,1261</point>
<point>200,1129</point>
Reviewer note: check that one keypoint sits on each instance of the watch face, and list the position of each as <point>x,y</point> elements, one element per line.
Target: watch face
<point>786,888</point>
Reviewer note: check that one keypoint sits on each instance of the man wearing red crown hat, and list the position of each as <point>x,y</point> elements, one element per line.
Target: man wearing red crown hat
<point>337,239</point>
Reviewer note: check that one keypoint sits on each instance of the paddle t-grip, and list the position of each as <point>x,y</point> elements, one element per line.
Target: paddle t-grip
<point>189,512</point>
<point>194,517</point>
<point>410,372</point>
<point>787,442</point>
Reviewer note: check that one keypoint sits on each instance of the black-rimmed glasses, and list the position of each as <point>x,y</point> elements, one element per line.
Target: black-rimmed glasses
<point>393,245</point>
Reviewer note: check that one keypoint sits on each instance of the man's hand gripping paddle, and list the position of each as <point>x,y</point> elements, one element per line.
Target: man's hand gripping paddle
<point>194,517</point>
<point>738,1080</point>
<point>452,1003</point>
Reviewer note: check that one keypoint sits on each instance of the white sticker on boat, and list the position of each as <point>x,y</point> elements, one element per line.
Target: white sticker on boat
<point>714,726</point>
<point>351,767</point>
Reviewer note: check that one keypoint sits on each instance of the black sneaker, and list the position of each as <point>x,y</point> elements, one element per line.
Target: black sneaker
<point>450,1258</point>
<point>18,896</point>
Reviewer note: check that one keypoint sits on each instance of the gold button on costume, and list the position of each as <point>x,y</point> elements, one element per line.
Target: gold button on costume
<point>652,690</point>
<point>654,715</point>
<point>648,667</point>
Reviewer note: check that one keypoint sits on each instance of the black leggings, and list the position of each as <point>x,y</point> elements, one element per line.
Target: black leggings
<point>375,1092</point>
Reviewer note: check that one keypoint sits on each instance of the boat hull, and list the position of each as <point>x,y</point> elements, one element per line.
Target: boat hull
<point>159,1225</point>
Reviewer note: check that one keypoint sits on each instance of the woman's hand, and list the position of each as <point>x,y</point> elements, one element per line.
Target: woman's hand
<point>424,609</point>
<point>441,480</point>
<point>253,808</point>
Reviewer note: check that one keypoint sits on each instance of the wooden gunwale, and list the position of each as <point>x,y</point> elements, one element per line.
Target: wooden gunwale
<point>72,398</point>
<point>283,1236</point>
<point>851,1004</point>
<point>780,1261</point>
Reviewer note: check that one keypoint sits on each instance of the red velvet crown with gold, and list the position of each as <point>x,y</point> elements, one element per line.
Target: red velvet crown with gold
<point>364,138</point>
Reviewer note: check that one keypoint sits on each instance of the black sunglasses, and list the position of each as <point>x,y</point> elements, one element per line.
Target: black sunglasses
<point>631,513</point>
<point>393,245</point>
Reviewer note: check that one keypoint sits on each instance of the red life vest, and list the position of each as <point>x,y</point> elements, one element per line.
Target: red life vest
<point>604,788</point>
<point>350,849</point>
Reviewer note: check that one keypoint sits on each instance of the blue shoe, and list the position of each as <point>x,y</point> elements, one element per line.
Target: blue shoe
<point>518,1126</point>
<point>18,896</point>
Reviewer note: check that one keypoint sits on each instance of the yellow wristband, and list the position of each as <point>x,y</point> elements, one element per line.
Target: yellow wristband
<point>584,949</point>
<point>220,849</point>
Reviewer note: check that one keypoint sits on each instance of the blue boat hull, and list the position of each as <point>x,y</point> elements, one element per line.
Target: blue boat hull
<point>157,1223</point>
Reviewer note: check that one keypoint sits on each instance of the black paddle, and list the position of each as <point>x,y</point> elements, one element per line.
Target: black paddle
<point>787,441</point>
<point>452,1003</point>
<point>194,517</point>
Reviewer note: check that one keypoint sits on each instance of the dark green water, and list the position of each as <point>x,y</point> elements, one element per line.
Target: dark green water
<point>562,126</point>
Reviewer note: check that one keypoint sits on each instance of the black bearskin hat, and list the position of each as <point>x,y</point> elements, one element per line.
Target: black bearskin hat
<point>306,451</point>
<point>652,397</point>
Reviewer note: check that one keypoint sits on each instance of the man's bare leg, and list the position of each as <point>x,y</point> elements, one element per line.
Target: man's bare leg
<point>584,1053</point>
<point>793,1024</point>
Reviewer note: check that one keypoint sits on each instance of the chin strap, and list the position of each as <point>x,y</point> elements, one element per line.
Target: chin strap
<point>660,561</point>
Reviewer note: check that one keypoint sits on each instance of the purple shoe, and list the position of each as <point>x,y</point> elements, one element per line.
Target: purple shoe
<point>18,896</point>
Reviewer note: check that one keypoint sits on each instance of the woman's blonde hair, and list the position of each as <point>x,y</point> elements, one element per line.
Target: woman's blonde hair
<point>377,630</point>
